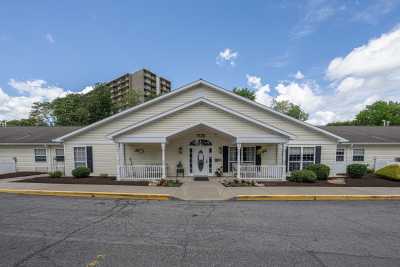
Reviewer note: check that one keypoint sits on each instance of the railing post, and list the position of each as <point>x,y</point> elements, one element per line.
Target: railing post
<point>164,175</point>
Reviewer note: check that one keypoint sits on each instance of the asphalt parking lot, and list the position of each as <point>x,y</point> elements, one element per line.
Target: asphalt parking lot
<point>56,231</point>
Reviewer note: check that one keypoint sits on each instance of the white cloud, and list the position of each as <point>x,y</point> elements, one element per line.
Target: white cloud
<point>322,117</point>
<point>368,73</point>
<point>19,106</point>
<point>262,90</point>
<point>50,38</point>
<point>378,57</point>
<point>302,94</point>
<point>227,56</point>
<point>299,75</point>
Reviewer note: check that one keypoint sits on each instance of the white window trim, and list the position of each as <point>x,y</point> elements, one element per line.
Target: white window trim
<point>352,154</point>
<point>344,154</point>
<point>73,151</point>
<point>34,154</point>
<point>301,156</point>
<point>59,149</point>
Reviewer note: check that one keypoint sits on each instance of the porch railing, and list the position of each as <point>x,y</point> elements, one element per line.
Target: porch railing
<point>262,172</point>
<point>140,172</point>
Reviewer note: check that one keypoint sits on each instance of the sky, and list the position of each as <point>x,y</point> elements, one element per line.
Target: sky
<point>331,57</point>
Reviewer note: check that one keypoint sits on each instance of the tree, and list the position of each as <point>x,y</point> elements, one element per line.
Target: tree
<point>22,122</point>
<point>41,114</point>
<point>70,110</point>
<point>341,123</point>
<point>375,114</point>
<point>379,111</point>
<point>98,103</point>
<point>290,109</point>
<point>245,92</point>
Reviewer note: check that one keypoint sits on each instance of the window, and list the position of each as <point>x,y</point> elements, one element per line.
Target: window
<point>358,154</point>
<point>339,154</point>
<point>294,158</point>
<point>80,157</point>
<point>59,154</point>
<point>308,156</point>
<point>248,155</point>
<point>40,154</point>
<point>300,157</point>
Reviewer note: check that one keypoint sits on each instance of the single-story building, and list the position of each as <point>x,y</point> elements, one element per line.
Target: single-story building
<point>200,129</point>
<point>32,148</point>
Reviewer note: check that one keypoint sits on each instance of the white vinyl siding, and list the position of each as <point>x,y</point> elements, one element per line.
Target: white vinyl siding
<point>301,132</point>
<point>104,158</point>
<point>188,117</point>
<point>25,157</point>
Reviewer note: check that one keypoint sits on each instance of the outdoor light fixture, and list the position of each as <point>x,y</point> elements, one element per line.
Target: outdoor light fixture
<point>180,150</point>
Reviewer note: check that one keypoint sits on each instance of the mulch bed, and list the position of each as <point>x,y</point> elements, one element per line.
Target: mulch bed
<point>18,174</point>
<point>370,180</point>
<point>93,180</point>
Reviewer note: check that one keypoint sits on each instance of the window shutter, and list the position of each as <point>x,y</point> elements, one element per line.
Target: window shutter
<point>258,156</point>
<point>89,157</point>
<point>287,159</point>
<point>225,155</point>
<point>318,154</point>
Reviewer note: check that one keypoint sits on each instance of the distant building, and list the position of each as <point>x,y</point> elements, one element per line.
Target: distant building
<point>144,83</point>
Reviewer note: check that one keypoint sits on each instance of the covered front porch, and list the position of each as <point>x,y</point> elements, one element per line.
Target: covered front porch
<point>201,150</point>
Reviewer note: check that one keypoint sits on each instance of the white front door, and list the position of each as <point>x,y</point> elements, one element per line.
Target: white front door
<point>200,158</point>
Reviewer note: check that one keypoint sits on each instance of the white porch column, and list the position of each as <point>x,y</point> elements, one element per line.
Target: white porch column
<point>118,160</point>
<point>164,173</point>
<point>239,158</point>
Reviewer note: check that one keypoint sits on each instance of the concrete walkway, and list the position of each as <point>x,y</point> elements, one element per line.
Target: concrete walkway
<point>204,190</point>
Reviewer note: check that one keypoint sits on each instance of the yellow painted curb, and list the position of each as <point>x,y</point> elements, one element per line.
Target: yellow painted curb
<point>316,197</point>
<point>88,194</point>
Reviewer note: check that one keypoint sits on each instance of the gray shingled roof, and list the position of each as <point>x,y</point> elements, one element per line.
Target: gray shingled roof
<point>32,135</point>
<point>367,134</point>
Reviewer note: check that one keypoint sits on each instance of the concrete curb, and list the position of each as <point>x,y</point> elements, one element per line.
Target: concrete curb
<point>315,197</point>
<point>133,196</point>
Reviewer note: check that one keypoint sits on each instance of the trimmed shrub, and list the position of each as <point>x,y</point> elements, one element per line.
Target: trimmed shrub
<point>356,170</point>
<point>55,174</point>
<point>321,170</point>
<point>391,171</point>
<point>81,172</point>
<point>303,176</point>
<point>370,171</point>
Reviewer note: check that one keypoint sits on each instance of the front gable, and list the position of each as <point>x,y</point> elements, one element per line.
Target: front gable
<point>199,113</point>
<point>301,131</point>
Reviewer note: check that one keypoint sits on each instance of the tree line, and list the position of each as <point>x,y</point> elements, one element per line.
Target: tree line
<point>83,109</point>
<point>77,109</point>
<point>372,115</point>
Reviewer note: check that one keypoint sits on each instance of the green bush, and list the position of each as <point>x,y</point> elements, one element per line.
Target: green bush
<point>370,171</point>
<point>321,170</point>
<point>303,176</point>
<point>356,170</point>
<point>55,174</point>
<point>81,172</point>
<point>391,171</point>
